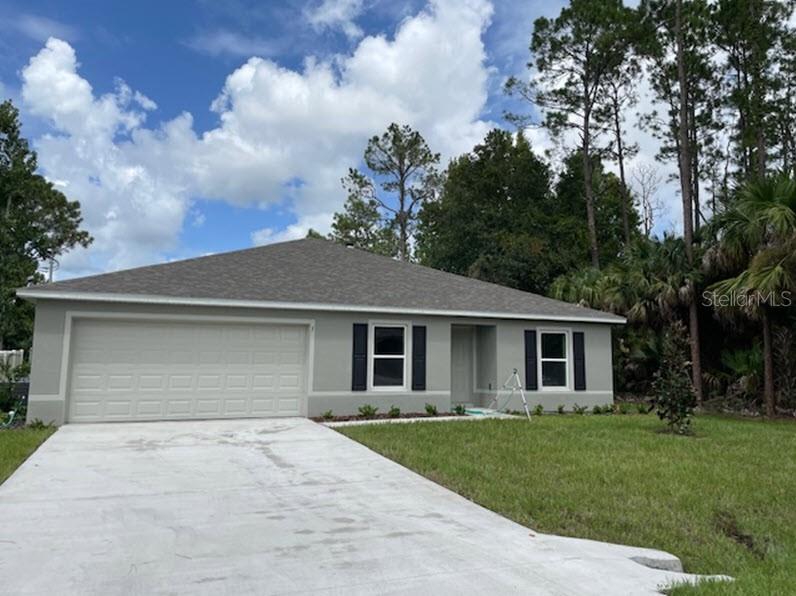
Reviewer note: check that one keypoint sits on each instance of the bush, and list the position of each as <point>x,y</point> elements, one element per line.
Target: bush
<point>9,377</point>
<point>624,408</point>
<point>642,408</point>
<point>327,415</point>
<point>580,410</point>
<point>459,410</point>
<point>597,410</point>
<point>368,411</point>
<point>562,409</point>
<point>672,391</point>
<point>394,412</point>
<point>538,410</point>
<point>431,409</point>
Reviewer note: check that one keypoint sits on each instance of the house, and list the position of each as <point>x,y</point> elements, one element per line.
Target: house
<point>299,328</point>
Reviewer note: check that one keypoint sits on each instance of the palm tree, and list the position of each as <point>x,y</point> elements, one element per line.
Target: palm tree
<point>757,237</point>
<point>647,284</point>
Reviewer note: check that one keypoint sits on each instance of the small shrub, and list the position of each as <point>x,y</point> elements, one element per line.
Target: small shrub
<point>642,408</point>
<point>597,410</point>
<point>538,410</point>
<point>624,408</point>
<point>459,410</point>
<point>37,424</point>
<point>327,415</point>
<point>672,391</point>
<point>431,409</point>
<point>368,411</point>
<point>580,410</point>
<point>394,412</point>
<point>562,409</point>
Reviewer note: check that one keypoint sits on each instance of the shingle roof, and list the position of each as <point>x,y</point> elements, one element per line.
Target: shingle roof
<point>317,272</point>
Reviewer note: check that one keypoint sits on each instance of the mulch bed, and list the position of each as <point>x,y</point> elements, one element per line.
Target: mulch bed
<point>383,416</point>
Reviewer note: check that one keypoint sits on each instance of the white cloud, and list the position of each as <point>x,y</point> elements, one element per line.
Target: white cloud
<point>41,28</point>
<point>333,14</point>
<point>221,42</point>
<point>284,136</point>
<point>319,222</point>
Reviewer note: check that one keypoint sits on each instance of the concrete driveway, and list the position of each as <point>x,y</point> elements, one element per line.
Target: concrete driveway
<point>272,507</point>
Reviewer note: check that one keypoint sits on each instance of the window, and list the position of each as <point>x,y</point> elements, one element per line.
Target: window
<point>553,359</point>
<point>388,359</point>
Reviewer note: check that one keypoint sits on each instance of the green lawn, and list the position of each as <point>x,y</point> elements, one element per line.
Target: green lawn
<point>17,444</point>
<point>724,501</point>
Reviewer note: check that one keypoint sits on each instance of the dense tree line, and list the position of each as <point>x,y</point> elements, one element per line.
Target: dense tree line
<point>723,76</point>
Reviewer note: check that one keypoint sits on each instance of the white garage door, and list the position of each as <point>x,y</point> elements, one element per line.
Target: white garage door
<point>152,370</point>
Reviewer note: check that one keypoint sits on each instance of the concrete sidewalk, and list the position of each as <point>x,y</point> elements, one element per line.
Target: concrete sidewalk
<point>278,506</point>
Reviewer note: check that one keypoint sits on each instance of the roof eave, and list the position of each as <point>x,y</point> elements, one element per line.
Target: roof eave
<point>32,294</point>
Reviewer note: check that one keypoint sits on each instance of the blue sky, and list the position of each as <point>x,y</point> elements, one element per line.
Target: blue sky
<point>186,128</point>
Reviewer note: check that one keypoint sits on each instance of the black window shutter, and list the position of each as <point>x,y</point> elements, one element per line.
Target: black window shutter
<point>531,382</point>
<point>419,358</point>
<point>359,367</point>
<point>579,355</point>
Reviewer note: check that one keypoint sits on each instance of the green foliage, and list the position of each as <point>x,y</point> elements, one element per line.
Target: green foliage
<point>597,410</point>
<point>368,411</point>
<point>623,408</point>
<point>757,235</point>
<point>362,225</point>
<point>580,410</point>
<point>575,56</point>
<point>37,424</point>
<point>673,393</point>
<point>538,410</point>
<point>642,408</point>
<point>9,375</point>
<point>498,220</point>
<point>327,415</point>
<point>566,213</point>
<point>562,409</point>
<point>784,357</point>
<point>431,409</point>
<point>489,221</point>
<point>459,409</point>
<point>382,206</point>
<point>394,412</point>
<point>37,223</point>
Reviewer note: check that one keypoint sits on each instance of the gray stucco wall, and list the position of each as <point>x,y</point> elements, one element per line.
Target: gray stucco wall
<point>331,371</point>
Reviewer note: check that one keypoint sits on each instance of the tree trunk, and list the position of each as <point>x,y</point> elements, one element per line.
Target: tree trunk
<point>768,364</point>
<point>620,158</point>
<point>685,191</point>
<point>760,142</point>
<point>591,220</point>
<point>401,216</point>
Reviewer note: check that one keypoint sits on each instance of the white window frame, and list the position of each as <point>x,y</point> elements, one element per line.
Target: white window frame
<point>372,356</point>
<point>567,359</point>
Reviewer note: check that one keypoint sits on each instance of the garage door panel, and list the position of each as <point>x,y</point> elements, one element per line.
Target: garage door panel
<point>144,370</point>
<point>262,406</point>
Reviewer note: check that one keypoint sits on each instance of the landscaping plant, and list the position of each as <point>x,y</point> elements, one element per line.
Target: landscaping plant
<point>368,411</point>
<point>431,409</point>
<point>394,412</point>
<point>672,392</point>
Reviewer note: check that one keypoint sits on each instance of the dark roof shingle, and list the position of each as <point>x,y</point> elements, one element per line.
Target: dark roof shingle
<point>320,272</point>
